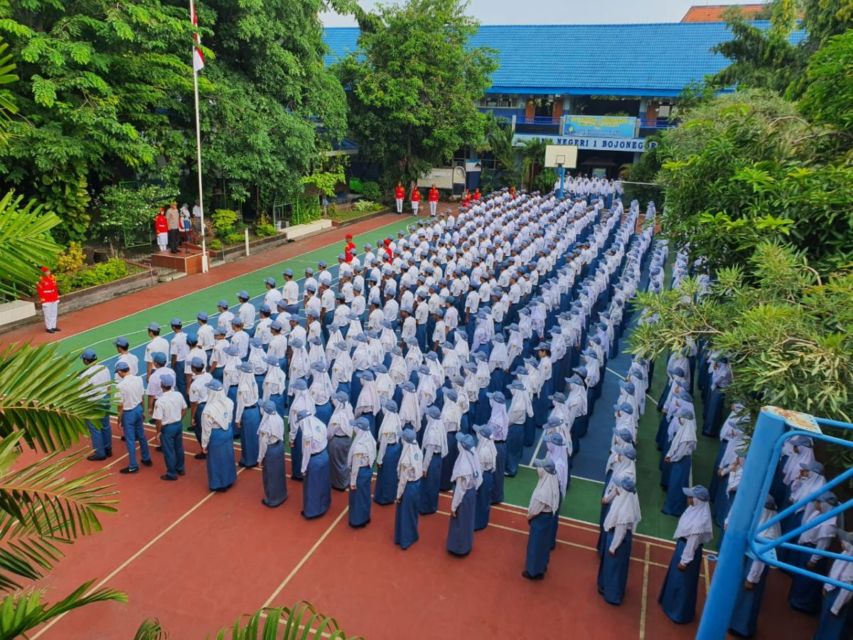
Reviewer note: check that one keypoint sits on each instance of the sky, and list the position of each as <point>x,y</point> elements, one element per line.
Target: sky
<point>563,11</point>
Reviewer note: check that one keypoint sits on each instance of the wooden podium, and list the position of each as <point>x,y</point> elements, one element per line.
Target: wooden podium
<point>187,260</point>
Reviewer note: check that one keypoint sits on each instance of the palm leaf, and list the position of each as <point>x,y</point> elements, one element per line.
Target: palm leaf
<point>22,612</point>
<point>42,396</point>
<point>25,243</point>
<point>7,103</point>
<point>150,630</point>
<point>40,510</point>
<point>300,622</point>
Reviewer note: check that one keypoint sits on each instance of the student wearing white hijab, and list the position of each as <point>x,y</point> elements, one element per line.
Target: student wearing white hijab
<point>342,369</point>
<point>368,403</point>
<point>499,424</point>
<point>488,458</point>
<point>836,620</point>
<point>217,438</point>
<point>248,416</point>
<point>695,529</point>
<point>321,391</point>
<point>388,455</point>
<point>621,521</point>
<point>271,455</point>
<point>301,402</point>
<point>360,459</point>
<point>317,494</point>
<point>339,432</point>
<point>409,473</point>
<point>805,593</point>
<point>520,412</point>
<point>679,459</point>
<point>275,385</point>
<point>451,419</point>
<point>435,449</point>
<point>543,509</point>
<point>748,605</point>
<point>468,477</point>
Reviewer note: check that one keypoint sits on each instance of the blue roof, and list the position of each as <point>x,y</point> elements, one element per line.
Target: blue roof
<point>602,59</point>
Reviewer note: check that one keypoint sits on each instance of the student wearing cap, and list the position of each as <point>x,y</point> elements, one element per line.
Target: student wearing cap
<point>48,293</point>
<point>487,455</point>
<point>621,521</point>
<point>388,456</point>
<point>154,390</point>
<point>805,593</point>
<point>246,313</point>
<point>225,318</point>
<point>122,345</point>
<point>317,496</point>
<point>499,424</point>
<point>321,391</point>
<point>217,438</point>
<point>262,328</point>
<point>543,509</point>
<point>836,620</point>
<point>198,397</point>
<point>435,448</point>
<point>205,334</point>
<point>273,295</point>
<point>193,352</point>
<point>339,433</point>
<point>248,416</point>
<point>240,338</point>
<point>169,411</point>
<point>678,463</point>
<point>157,344</point>
<point>271,455</point>
<point>301,402</point>
<point>274,384</point>
<point>409,471</point>
<point>468,477</point>
<point>290,293</point>
<point>695,529</point>
<point>98,378</point>
<point>130,394</point>
<point>178,351</point>
<point>519,412</point>
<point>360,459</point>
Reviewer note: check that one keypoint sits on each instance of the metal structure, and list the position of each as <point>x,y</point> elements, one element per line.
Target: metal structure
<point>744,533</point>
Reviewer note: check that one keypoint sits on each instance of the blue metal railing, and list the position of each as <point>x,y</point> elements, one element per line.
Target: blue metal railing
<point>744,527</point>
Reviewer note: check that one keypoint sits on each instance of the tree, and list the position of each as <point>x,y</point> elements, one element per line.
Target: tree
<point>532,161</point>
<point>828,93</point>
<point>507,171</point>
<point>414,84</point>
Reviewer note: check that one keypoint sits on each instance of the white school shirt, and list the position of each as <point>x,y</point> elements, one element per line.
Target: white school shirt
<point>224,322</point>
<point>272,297</point>
<point>154,389</point>
<point>247,315</point>
<point>241,340</point>
<point>132,362</point>
<point>205,336</point>
<point>290,292</point>
<point>198,388</point>
<point>195,352</point>
<point>158,344</point>
<point>168,407</point>
<point>130,391</point>
<point>178,346</point>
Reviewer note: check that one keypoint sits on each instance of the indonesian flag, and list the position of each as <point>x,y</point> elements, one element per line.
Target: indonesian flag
<point>198,57</point>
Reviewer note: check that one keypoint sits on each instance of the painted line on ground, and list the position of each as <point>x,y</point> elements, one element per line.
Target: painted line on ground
<point>138,553</point>
<point>305,558</point>
<point>644,601</point>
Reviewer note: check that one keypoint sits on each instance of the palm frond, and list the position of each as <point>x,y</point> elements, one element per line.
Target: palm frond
<point>40,510</point>
<point>286,623</point>
<point>150,630</point>
<point>21,612</point>
<point>42,395</point>
<point>7,76</point>
<point>25,243</point>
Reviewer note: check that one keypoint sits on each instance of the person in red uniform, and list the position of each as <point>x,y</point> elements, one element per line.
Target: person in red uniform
<point>416,200</point>
<point>433,200</point>
<point>512,191</point>
<point>389,252</point>
<point>161,228</point>
<point>466,199</point>
<point>48,293</point>
<point>349,248</point>
<point>477,195</point>
<point>399,196</point>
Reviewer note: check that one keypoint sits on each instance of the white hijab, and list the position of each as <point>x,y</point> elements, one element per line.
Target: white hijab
<point>467,464</point>
<point>368,399</point>
<point>435,435</point>
<point>391,425</point>
<point>274,382</point>
<point>487,453</point>
<point>546,493</point>
<point>398,370</point>
<point>321,388</point>
<point>363,443</point>
<point>219,410</point>
<point>271,430</point>
<point>247,389</point>
<point>301,400</point>
<point>696,520</point>
<point>624,510</point>
<point>342,418</point>
<point>411,457</point>
<point>499,417</point>
<point>410,409</point>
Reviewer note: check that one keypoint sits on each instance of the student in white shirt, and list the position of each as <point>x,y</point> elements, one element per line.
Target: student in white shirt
<point>130,394</point>
<point>169,411</point>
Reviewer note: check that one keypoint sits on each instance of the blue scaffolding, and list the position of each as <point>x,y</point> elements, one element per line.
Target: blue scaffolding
<point>745,532</point>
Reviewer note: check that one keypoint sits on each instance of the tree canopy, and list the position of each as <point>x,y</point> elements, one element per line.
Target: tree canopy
<point>414,85</point>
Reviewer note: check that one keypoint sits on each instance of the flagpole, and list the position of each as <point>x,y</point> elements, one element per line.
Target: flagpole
<point>204,260</point>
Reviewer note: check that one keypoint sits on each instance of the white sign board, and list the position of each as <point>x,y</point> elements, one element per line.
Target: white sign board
<point>561,156</point>
<point>443,178</point>
<point>603,144</point>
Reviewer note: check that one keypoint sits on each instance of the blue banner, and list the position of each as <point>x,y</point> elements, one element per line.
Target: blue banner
<point>599,126</point>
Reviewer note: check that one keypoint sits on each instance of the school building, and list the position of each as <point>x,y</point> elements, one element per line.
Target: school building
<point>604,88</point>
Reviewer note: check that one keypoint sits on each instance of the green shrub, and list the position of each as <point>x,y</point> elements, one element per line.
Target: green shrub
<point>224,222</point>
<point>356,185</point>
<point>71,260</point>
<point>235,237</point>
<point>263,227</point>
<point>101,273</point>
<point>306,210</point>
<point>215,244</point>
<point>372,191</point>
<point>366,206</point>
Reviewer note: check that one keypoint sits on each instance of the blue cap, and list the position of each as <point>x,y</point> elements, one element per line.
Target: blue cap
<point>366,375</point>
<point>433,412</point>
<point>231,350</point>
<point>296,343</point>
<point>699,492</point>
<point>559,396</point>
<point>264,308</point>
<point>322,264</point>
<point>483,430</point>
<point>192,339</point>
<point>627,483</point>
<point>202,316</point>
<point>304,413</point>
<point>814,466</point>
<point>390,406</point>
<point>409,436</point>
<point>625,408</point>
<point>243,295</point>
<point>246,367</point>
<point>256,342</point>
<point>219,331</point>
<point>555,439</point>
<point>341,396</point>
<point>271,360</point>
<point>466,441</point>
<point>625,435</point>
<point>275,325</point>
<point>222,304</point>
<point>197,363</point>
<point>176,322</point>
<point>270,281</point>
<point>122,366</point>
<point>167,380</point>
<point>362,424</point>
<point>158,357</point>
<point>497,396</point>
<point>299,385</point>
<point>89,354</point>
<point>547,464</point>
<point>122,342</point>
<point>318,366</point>
<point>268,406</point>
<point>154,327</point>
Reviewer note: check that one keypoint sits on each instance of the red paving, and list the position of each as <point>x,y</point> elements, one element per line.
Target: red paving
<point>78,321</point>
<point>197,561</point>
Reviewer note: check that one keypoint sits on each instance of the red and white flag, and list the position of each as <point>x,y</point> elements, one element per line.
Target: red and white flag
<point>198,57</point>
